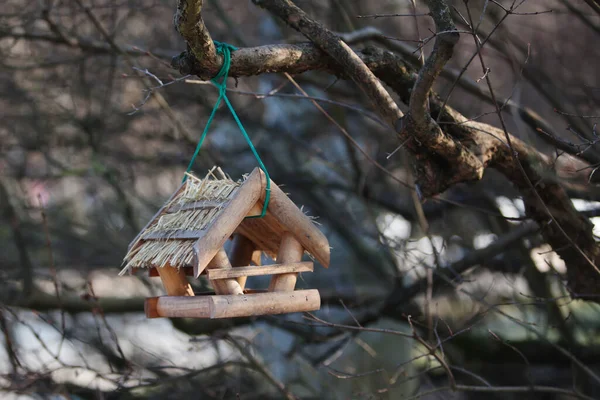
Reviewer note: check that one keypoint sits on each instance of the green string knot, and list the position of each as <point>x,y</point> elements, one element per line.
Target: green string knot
<point>220,81</point>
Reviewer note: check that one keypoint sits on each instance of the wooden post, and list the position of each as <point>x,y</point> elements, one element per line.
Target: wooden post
<point>226,286</point>
<point>174,281</point>
<point>290,251</point>
<point>233,305</point>
<point>242,254</point>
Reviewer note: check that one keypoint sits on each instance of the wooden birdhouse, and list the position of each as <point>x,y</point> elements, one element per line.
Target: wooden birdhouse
<point>187,237</point>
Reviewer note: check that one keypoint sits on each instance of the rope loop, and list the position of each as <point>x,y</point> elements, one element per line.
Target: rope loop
<point>220,81</point>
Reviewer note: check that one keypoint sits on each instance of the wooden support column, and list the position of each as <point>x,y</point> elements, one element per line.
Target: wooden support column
<point>175,281</point>
<point>226,286</point>
<point>290,251</point>
<point>243,253</point>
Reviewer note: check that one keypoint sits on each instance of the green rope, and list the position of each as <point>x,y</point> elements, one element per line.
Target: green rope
<point>226,49</point>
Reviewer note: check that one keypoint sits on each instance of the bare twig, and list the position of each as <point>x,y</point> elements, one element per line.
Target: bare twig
<point>260,368</point>
<point>542,207</point>
<point>594,4</point>
<point>375,16</point>
<point>339,51</point>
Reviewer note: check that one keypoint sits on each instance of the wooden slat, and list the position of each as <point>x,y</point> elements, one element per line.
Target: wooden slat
<point>195,234</point>
<point>232,305</point>
<point>198,205</point>
<point>258,271</point>
<point>264,303</point>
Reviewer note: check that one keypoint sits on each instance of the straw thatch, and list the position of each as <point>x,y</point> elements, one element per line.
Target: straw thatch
<point>168,240</point>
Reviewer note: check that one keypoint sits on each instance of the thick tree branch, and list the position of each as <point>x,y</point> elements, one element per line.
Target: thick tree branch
<point>453,162</point>
<point>431,145</point>
<point>462,164</point>
<point>189,23</point>
<point>529,116</point>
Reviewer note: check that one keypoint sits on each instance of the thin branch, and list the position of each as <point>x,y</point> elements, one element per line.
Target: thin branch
<point>260,368</point>
<point>162,102</point>
<point>392,15</point>
<point>440,55</point>
<point>537,202</point>
<point>402,295</point>
<point>594,4</point>
<point>349,137</point>
<point>339,51</point>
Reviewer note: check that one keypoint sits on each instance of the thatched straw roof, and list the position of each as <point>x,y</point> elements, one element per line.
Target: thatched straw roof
<point>169,238</point>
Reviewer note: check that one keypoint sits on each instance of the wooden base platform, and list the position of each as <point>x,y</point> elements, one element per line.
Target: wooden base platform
<point>230,306</point>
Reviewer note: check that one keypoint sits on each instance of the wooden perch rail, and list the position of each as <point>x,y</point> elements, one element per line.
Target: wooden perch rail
<point>232,305</point>
<point>275,269</point>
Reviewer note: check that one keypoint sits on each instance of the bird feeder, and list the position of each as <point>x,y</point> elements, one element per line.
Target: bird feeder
<point>187,237</point>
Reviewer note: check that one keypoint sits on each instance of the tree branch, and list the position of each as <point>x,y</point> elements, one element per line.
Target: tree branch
<point>339,51</point>
<point>443,158</point>
<point>446,38</point>
<point>594,4</point>
<point>189,23</point>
